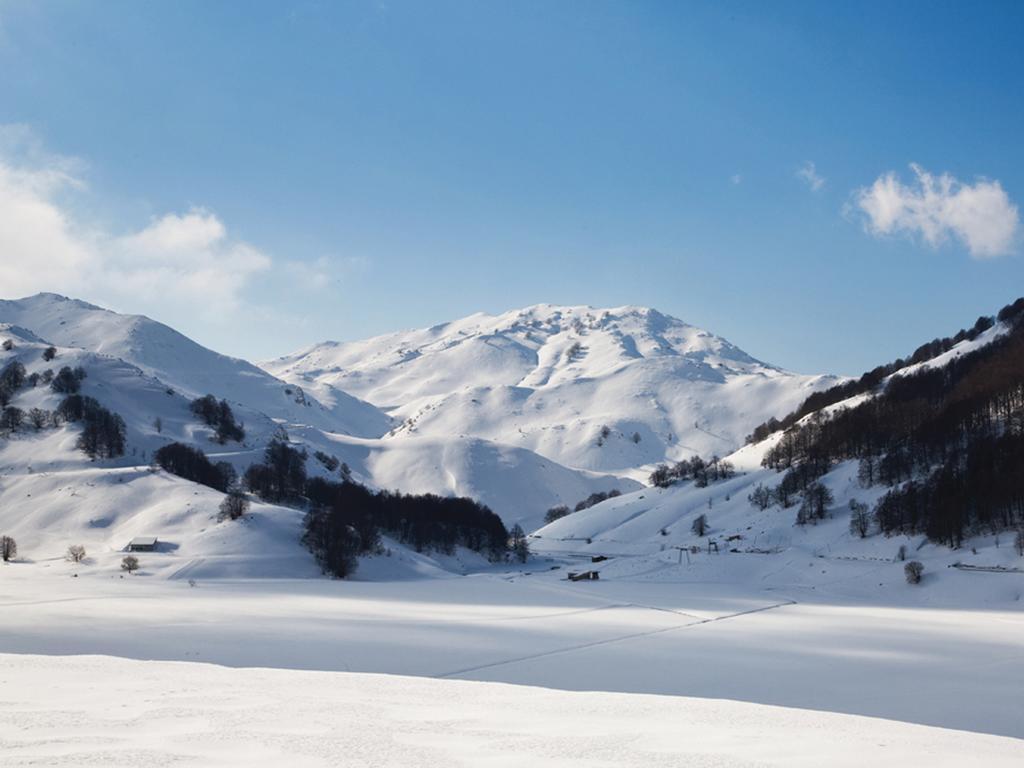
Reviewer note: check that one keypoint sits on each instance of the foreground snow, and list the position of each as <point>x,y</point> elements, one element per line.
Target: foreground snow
<point>100,710</point>
<point>833,648</point>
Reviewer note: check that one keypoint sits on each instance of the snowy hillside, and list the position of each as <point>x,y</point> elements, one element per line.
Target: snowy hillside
<point>180,363</point>
<point>739,529</point>
<point>773,620</point>
<point>601,389</point>
<point>53,495</point>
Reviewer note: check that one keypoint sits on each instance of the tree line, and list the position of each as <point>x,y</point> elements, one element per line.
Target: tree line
<point>218,414</point>
<point>559,511</point>
<point>697,469</point>
<point>103,431</point>
<point>870,380</point>
<point>948,440</point>
<point>345,519</point>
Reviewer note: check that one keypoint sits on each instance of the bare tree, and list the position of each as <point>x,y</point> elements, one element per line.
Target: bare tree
<point>38,418</point>
<point>130,563</point>
<point>760,497</point>
<point>518,544</point>
<point>76,553</point>
<point>860,520</point>
<point>8,548</point>
<point>1018,542</point>
<point>867,471</point>
<point>816,500</point>
<point>556,513</point>
<point>234,505</point>
<point>158,425</point>
<point>913,571</point>
<point>700,525</point>
<point>11,418</point>
<point>661,476</point>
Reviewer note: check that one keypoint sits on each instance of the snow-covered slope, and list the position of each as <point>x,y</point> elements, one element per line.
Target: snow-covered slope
<point>516,483</point>
<point>60,712</point>
<point>148,373</point>
<point>182,364</point>
<point>601,389</point>
<point>650,533</point>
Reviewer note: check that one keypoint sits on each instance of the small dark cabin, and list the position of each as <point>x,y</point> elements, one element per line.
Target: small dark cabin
<point>142,544</point>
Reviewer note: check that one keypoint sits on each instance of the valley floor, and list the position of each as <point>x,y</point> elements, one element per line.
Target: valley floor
<point>742,667</point>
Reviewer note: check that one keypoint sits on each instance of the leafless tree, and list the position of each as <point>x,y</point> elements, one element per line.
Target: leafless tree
<point>76,553</point>
<point>130,563</point>
<point>860,520</point>
<point>8,548</point>
<point>518,544</point>
<point>760,497</point>
<point>234,505</point>
<point>38,418</point>
<point>913,571</point>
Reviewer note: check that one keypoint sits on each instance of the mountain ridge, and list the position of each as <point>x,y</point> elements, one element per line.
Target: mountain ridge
<point>564,381</point>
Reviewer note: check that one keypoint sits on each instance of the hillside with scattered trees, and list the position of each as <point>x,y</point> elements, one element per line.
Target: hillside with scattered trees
<point>947,440</point>
<point>345,519</point>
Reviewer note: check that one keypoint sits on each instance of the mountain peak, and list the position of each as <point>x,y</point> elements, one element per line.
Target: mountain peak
<point>46,298</point>
<point>556,378</point>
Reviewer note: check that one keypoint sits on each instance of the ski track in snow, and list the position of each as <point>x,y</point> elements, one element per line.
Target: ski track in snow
<point>611,640</point>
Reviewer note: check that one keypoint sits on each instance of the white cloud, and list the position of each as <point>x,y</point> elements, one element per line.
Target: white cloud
<point>736,178</point>
<point>937,208</point>
<point>188,255</point>
<point>178,266</point>
<point>38,242</point>
<point>809,175</point>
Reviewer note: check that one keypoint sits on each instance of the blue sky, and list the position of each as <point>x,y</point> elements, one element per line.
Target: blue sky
<point>266,175</point>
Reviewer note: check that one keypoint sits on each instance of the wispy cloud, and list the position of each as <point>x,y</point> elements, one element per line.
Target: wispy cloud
<point>939,208</point>
<point>736,178</point>
<point>180,266</point>
<point>809,175</point>
<point>189,255</point>
<point>321,273</point>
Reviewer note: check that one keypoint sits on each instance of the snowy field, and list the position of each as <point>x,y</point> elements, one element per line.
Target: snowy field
<point>89,710</point>
<point>798,648</point>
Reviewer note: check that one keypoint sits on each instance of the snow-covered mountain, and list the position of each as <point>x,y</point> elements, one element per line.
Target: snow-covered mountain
<point>52,494</point>
<point>524,434</point>
<point>740,527</point>
<point>611,390</point>
<point>188,367</point>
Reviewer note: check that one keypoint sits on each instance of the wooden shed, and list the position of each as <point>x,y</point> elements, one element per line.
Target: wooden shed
<point>142,544</point>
